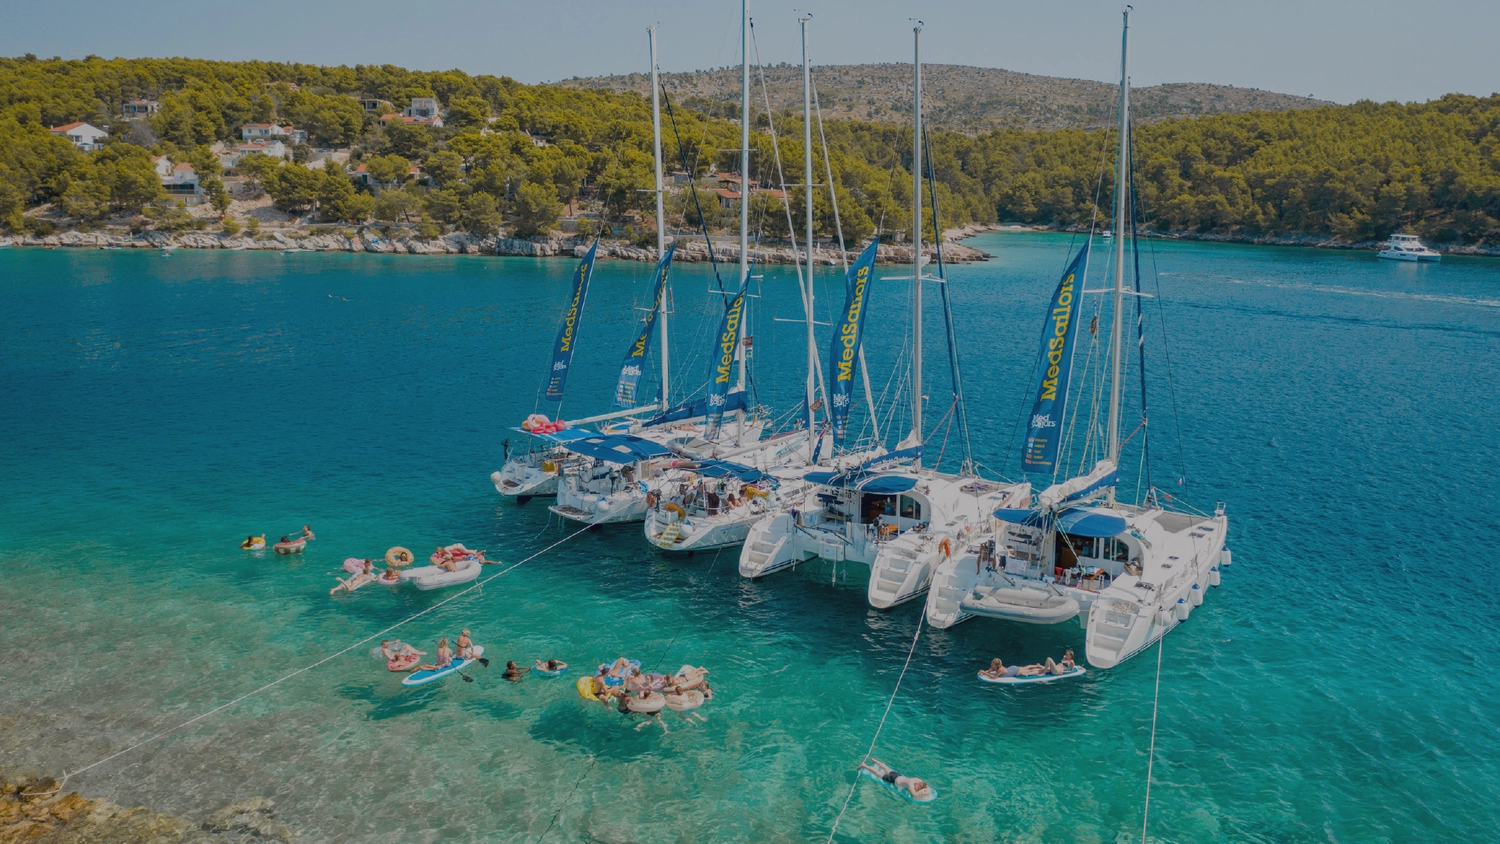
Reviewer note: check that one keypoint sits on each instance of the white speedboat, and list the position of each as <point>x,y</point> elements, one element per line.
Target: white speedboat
<point>1406,247</point>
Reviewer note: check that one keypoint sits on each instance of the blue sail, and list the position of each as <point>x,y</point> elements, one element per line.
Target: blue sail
<point>843,355</point>
<point>567,333</point>
<point>635,359</point>
<point>1054,367</point>
<point>722,363</point>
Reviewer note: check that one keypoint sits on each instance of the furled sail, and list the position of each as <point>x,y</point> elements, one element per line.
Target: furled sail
<point>567,332</point>
<point>721,366</point>
<point>1054,366</point>
<point>635,358</point>
<point>843,355</point>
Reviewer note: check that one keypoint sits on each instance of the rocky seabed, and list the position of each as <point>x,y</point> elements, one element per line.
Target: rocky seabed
<point>38,809</point>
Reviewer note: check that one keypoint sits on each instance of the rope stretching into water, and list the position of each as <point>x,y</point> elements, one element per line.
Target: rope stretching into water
<point>1151,755</point>
<point>305,669</point>
<point>876,738</point>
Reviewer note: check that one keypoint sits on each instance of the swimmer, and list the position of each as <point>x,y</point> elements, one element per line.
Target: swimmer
<point>513,672</point>
<point>253,541</point>
<point>550,665</point>
<point>307,533</point>
<point>917,788</point>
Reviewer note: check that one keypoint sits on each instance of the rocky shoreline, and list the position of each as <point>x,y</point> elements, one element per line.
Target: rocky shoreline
<point>365,240</point>
<point>37,809</point>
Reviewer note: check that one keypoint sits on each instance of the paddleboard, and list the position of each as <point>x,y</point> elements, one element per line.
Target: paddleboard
<point>418,678</point>
<point>899,792</point>
<point>1039,678</point>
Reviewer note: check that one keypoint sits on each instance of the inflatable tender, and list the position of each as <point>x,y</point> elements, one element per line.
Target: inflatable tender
<point>899,792</point>
<point>418,678</point>
<point>398,556</point>
<point>651,704</point>
<point>257,543</point>
<point>1076,671</point>
<point>294,546</point>
<point>432,577</point>
<point>404,662</point>
<point>685,702</point>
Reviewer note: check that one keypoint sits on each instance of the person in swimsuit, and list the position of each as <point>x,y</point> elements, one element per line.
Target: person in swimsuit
<point>1067,660</point>
<point>550,665</point>
<point>465,645</point>
<point>353,583</point>
<point>914,786</point>
<point>307,533</point>
<point>514,673</point>
<point>444,657</point>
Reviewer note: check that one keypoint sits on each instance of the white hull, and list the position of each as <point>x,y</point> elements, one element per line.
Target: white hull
<point>699,533</point>
<point>1177,570</point>
<point>1407,256</point>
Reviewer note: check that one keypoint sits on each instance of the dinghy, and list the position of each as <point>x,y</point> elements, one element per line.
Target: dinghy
<point>419,678</point>
<point>432,577</point>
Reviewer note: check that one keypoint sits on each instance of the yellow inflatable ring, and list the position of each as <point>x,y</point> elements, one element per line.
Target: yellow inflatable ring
<point>585,687</point>
<point>398,556</point>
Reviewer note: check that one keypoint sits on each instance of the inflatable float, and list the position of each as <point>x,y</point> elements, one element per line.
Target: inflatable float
<point>354,565</point>
<point>899,792</point>
<point>432,577</point>
<point>404,662</point>
<point>398,556</point>
<point>688,677</point>
<point>651,704</point>
<point>294,546</point>
<point>585,687</point>
<point>419,678</point>
<point>388,581</point>
<point>558,673</point>
<point>1075,671</point>
<point>685,702</point>
<point>255,543</point>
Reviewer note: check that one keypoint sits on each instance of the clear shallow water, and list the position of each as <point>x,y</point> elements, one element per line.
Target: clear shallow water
<point>156,411</point>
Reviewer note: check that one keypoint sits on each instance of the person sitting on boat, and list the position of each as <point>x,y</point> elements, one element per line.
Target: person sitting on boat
<point>444,657</point>
<point>551,665</point>
<point>917,788</point>
<point>446,563</point>
<point>307,533</point>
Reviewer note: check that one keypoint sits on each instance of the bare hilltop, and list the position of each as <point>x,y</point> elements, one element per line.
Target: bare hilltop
<point>958,97</point>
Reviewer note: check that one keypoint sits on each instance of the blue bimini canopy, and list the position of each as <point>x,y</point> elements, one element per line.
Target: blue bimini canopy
<point>620,448</point>
<point>724,469</point>
<point>866,482</point>
<point>1079,521</point>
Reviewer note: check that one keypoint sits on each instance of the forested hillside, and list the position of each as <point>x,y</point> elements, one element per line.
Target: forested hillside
<point>516,156</point>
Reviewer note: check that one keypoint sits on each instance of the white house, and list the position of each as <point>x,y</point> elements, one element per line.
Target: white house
<point>163,166</point>
<point>83,136</point>
<point>273,148</point>
<point>140,108</point>
<point>423,107</point>
<point>261,131</point>
<point>183,183</point>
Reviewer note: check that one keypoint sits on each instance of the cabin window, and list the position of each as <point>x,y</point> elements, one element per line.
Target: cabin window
<point>910,509</point>
<point>877,506</point>
<point>1116,550</point>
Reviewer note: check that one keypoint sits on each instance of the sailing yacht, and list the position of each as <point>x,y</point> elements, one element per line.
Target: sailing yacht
<point>1130,572</point>
<point>881,509</point>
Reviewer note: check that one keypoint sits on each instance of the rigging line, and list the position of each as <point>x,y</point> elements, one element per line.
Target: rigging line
<point>1140,323</point>
<point>329,658</point>
<point>868,752</point>
<point>780,174</point>
<point>957,377</point>
<point>1151,755</point>
<point>692,186</point>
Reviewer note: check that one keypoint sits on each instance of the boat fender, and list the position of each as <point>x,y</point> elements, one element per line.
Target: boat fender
<point>1214,577</point>
<point>1225,557</point>
<point>1195,595</point>
<point>1163,617</point>
<point>1183,609</point>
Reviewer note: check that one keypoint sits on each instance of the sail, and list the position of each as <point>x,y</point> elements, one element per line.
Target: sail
<point>1054,366</point>
<point>567,333</point>
<point>635,359</point>
<point>843,355</point>
<point>721,366</point>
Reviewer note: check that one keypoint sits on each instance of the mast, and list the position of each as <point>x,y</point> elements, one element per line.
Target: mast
<point>916,228</point>
<point>739,383</point>
<point>1121,165</point>
<point>661,220</point>
<point>807,293</point>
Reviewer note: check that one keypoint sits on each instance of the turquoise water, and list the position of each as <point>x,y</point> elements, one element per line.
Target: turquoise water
<point>156,410</point>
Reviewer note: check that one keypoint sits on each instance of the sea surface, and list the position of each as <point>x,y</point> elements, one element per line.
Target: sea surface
<point>1339,687</point>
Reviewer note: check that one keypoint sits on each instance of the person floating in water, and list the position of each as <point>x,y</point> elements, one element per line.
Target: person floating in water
<point>307,533</point>
<point>999,669</point>
<point>917,788</point>
<point>513,672</point>
<point>253,542</point>
<point>366,575</point>
<point>551,665</point>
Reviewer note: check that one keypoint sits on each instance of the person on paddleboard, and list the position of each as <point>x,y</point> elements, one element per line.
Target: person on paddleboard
<point>465,645</point>
<point>444,657</point>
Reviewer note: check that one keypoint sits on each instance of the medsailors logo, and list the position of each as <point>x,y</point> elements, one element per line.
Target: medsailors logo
<point>1062,317</point>
<point>1043,421</point>
<point>849,331</point>
<point>727,341</point>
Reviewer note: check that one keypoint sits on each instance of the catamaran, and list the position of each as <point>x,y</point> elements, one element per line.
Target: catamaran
<point>1129,572</point>
<point>882,509</point>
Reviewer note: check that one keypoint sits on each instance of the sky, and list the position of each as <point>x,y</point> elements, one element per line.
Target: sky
<point>1339,50</point>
